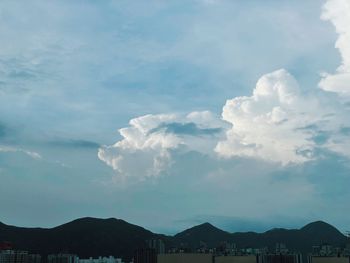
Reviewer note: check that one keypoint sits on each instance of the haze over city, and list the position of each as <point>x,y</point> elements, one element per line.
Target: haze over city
<point>169,114</point>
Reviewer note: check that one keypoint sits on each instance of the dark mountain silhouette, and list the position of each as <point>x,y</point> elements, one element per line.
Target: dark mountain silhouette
<point>206,232</point>
<point>300,240</point>
<point>85,237</point>
<point>103,237</point>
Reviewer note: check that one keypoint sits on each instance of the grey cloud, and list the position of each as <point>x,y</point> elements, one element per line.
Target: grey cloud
<point>73,143</point>
<point>305,152</point>
<point>15,73</point>
<point>21,74</point>
<point>186,129</point>
<point>7,132</point>
<point>345,130</point>
<point>308,127</point>
<point>18,68</point>
<point>3,130</point>
<point>321,137</point>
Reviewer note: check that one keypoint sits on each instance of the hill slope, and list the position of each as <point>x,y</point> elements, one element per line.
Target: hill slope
<point>301,240</point>
<point>85,237</point>
<point>103,237</point>
<point>206,232</point>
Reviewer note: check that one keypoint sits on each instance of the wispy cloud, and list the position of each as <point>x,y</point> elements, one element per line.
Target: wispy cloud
<point>74,143</point>
<point>10,149</point>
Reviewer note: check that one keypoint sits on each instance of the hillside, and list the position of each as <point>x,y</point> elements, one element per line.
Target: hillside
<point>92,237</point>
<point>85,237</point>
<point>206,232</point>
<point>300,240</point>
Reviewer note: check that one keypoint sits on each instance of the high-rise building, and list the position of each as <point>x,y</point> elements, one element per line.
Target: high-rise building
<point>156,244</point>
<point>109,259</point>
<point>281,248</point>
<point>326,250</point>
<point>62,258</point>
<point>186,258</point>
<point>320,259</point>
<point>281,258</point>
<point>13,256</point>
<point>34,258</point>
<point>145,255</point>
<point>236,259</point>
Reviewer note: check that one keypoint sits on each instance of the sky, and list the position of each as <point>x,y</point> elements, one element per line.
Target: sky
<point>168,114</point>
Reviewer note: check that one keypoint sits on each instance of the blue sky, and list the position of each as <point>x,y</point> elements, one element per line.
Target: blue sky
<point>173,113</point>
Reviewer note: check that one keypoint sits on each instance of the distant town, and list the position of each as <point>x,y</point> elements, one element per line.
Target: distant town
<point>155,252</point>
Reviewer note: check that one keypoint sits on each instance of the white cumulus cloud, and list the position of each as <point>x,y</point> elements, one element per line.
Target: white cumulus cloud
<point>271,123</point>
<point>278,123</point>
<point>338,12</point>
<point>147,144</point>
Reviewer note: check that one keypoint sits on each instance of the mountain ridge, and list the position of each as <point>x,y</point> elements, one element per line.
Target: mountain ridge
<point>313,223</point>
<point>317,222</point>
<point>89,236</point>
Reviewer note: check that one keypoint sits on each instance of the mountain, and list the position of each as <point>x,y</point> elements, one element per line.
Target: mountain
<point>92,237</point>
<point>301,240</point>
<point>206,232</point>
<point>323,233</point>
<point>85,237</point>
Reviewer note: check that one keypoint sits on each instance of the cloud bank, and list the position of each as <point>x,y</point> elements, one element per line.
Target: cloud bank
<point>280,122</point>
<point>148,143</point>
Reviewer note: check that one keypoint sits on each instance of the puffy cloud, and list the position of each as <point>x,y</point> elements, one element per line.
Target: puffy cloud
<point>338,12</point>
<point>278,123</point>
<point>150,140</point>
<point>281,124</point>
<point>267,124</point>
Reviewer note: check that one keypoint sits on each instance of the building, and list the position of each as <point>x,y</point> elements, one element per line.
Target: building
<point>346,251</point>
<point>34,258</point>
<point>185,258</point>
<point>236,259</point>
<point>318,259</point>
<point>226,248</point>
<point>5,246</point>
<point>145,255</point>
<point>156,244</point>
<point>62,258</point>
<point>281,249</point>
<point>13,256</point>
<point>281,258</point>
<point>326,250</point>
<point>209,258</point>
<point>109,259</point>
